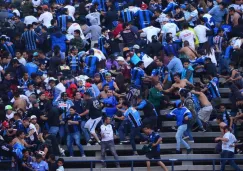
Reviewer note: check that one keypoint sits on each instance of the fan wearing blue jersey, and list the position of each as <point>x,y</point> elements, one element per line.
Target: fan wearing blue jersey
<point>134,119</point>
<point>138,75</point>
<point>183,115</point>
<point>101,4</point>
<point>212,89</point>
<point>154,141</point>
<point>74,60</point>
<point>7,46</point>
<point>102,41</point>
<point>62,20</point>
<point>126,15</point>
<point>144,16</point>
<point>91,63</point>
<point>170,7</point>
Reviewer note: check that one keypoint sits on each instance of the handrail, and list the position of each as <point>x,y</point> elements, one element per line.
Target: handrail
<point>172,161</point>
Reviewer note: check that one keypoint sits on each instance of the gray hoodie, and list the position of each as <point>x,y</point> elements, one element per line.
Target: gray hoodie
<point>94,29</point>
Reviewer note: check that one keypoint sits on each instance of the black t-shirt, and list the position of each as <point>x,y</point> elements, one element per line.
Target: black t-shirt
<point>52,166</point>
<point>210,69</point>
<point>94,107</point>
<point>53,117</point>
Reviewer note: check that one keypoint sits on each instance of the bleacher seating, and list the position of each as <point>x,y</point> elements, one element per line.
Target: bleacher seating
<point>203,148</point>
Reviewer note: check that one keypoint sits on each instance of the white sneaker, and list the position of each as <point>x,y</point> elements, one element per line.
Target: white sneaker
<point>191,141</point>
<point>88,144</point>
<point>186,137</point>
<point>83,156</point>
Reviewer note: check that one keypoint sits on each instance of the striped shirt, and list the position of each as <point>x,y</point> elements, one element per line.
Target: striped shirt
<point>133,116</point>
<point>213,88</point>
<point>127,15</point>
<point>9,47</point>
<point>144,17</point>
<point>29,37</point>
<point>102,4</point>
<point>101,43</point>
<point>73,128</point>
<point>62,21</point>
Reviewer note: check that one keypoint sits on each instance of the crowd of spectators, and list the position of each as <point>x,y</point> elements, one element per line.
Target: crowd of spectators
<point>79,72</point>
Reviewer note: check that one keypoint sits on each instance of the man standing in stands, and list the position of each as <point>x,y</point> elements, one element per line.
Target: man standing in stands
<point>183,115</point>
<point>150,114</point>
<point>154,140</point>
<point>107,141</point>
<point>228,149</point>
<point>135,120</point>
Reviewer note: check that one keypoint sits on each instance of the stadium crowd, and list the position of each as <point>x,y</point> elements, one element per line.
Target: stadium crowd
<point>74,71</point>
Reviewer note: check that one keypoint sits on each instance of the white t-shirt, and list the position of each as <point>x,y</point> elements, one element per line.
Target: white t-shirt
<point>71,11</point>
<point>209,18</point>
<point>32,127</point>
<point>189,36</point>
<point>150,31</point>
<point>46,18</point>
<point>16,12</point>
<point>106,132</point>
<point>75,26</point>
<point>201,32</point>
<point>227,145</point>
<point>21,60</point>
<point>30,19</point>
<point>212,56</point>
<point>94,15</point>
<point>170,28</point>
<point>194,15</point>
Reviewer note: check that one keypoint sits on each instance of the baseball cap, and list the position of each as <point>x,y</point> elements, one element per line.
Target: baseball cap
<point>183,6</point>
<point>8,107</point>
<point>44,7</point>
<point>144,6</point>
<point>35,54</point>
<point>136,47</point>
<point>88,85</point>
<point>33,117</point>
<point>120,58</point>
<point>5,124</point>
<point>125,49</point>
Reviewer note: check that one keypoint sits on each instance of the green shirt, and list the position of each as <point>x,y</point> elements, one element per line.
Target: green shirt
<point>155,96</point>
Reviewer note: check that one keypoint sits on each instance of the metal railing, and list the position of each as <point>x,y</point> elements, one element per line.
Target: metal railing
<point>172,161</point>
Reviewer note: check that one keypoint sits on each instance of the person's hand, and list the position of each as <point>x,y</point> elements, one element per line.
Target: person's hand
<point>115,117</point>
<point>62,122</point>
<point>153,145</point>
<point>217,139</point>
<point>33,145</point>
<point>143,142</point>
<point>186,118</point>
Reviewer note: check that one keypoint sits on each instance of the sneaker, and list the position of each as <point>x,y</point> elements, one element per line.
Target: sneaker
<point>90,140</point>
<point>174,128</point>
<point>97,143</point>
<point>118,166</point>
<point>185,138</point>
<point>178,152</point>
<point>88,144</point>
<point>202,130</point>
<point>135,153</point>
<point>83,156</point>
<point>191,141</point>
<point>188,151</point>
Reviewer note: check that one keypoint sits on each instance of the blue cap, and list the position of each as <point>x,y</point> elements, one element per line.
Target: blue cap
<point>177,102</point>
<point>183,6</point>
<point>35,54</point>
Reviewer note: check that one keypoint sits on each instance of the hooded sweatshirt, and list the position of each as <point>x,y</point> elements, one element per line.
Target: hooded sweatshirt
<point>94,29</point>
<point>69,90</point>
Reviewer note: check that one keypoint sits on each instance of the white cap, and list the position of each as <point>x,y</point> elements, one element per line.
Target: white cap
<point>120,58</point>
<point>136,47</point>
<point>33,117</point>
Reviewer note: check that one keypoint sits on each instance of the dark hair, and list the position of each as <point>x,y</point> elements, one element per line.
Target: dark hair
<point>61,160</point>
<point>147,127</point>
<point>19,132</point>
<point>77,31</point>
<point>52,156</point>
<point>73,107</point>
<point>124,25</point>
<point>177,75</point>
<point>126,103</point>
<point>103,30</point>
<point>219,117</point>
<point>24,151</point>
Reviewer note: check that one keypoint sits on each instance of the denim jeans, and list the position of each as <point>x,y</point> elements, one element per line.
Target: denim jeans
<point>123,129</point>
<point>133,134</point>
<point>224,65</point>
<point>180,131</point>
<point>228,154</point>
<point>53,130</point>
<point>62,131</point>
<point>188,132</point>
<point>76,137</point>
<point>111,146</point>
<point>199,122</point>
<point>85,131</point>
